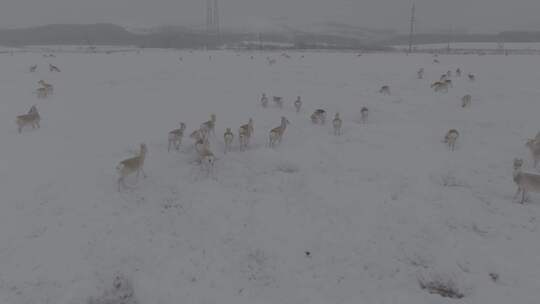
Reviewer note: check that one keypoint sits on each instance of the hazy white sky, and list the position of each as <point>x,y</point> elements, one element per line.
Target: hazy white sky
<point>480,15</point>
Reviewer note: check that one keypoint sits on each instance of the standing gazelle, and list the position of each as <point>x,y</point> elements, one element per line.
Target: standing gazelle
<point>130,166</point>
<point>244,134</point>
<point>298,104</point>
<point>364,115</point>
<point>450,138</point>
<point>466,101</point>
<point>264,101</point>
<point>336,123</point>
<point>385,90</point>
<point>276,134</point>
<point>228,138</point>
<point>210,125</point>
<point>525,181</point>
<point>32,118</point>
<point>175,137</point>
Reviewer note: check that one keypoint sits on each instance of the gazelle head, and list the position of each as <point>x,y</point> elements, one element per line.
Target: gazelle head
<point>228,130</point>
<point>182,126</point>
<point>213,117</point>
<point>364,110</point>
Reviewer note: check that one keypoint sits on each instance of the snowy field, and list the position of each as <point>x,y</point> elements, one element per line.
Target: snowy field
<point>475,46</point>
<point>319,219</point>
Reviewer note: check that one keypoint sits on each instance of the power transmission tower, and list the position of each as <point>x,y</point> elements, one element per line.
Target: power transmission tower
<point>411,31</point>
<point>212,17</point>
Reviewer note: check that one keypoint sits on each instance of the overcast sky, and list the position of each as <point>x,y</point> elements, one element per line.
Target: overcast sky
<point>477,15</point>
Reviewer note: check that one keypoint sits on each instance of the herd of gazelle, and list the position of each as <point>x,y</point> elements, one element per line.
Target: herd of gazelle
<point>525,181</point>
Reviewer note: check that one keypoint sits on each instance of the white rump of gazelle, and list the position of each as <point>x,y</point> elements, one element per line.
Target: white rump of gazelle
<point>276,134</point>
<point>298,104</point>
<point>131,165</point>
<point>228,137</point>
<point>525,181</point>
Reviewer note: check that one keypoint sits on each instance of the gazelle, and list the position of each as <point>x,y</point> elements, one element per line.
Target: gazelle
<point>42,92</point>
<point>244,134</point>
<point>449,74</point>
<point>33,68</point>
<point>298,104</point>
<point>47,86</point>
<point>450,138</point>
<point>319,116</point>
<point>210,125</point>
<point>336,123</point>
<point>264,101</point>
<point>385,90</point>
<point>31,118</point>
<point>276,134</point>
<point>198,135</point>
<point>458,72</point>
<point>206,157</point>
<point>228,138</point>
<point>525,181</point>
<point>534,148</point>
<point>175,137</point>
<point>420,73</point>
<point>471,77</point>
<point>131,165</point>
<point>364,115</point>
<point>53,68</point>
<point>466,101</point>
<point>278,101</point>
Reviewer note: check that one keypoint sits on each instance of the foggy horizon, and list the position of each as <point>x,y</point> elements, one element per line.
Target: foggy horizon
<point>436,15</point>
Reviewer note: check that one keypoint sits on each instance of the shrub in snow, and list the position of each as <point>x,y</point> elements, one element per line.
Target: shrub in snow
<point>445,286</point>
<point>120,293</point>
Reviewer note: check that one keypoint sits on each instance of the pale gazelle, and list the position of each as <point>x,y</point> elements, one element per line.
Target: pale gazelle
<point>385,90</point>
<point>276,134</point>
<point>131,165</point>
<point>206,157</point>
<point>33,68</point>
<point>244,134</point>
<point>47,86</point>
<point>420,73</point>
<point>525,181</point>
<point>364,115</point>
<point>278,101</point>
<point>534,148</point>
<point>318,117</point>
<point>175,137</point>
<point>210,125</point>
<point>264,101</point>
<point>336,123</point>
<point>53,68</point>
<point>298,104</point>
<point>466,101</point>
<point>32,118</point>
<point>228,138</point>
<point>450,138</point>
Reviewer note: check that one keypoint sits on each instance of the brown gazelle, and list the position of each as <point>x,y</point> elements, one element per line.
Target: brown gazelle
<point>175,137</point>
<point>336,123</point>
<point>244,134</point>
<point>276,134</point>
<point>525,181</point>
<point>131,165</point>
<point>32,118</point>
<point>228,139</point>
<point>450,138</point>
<point>298,104</point>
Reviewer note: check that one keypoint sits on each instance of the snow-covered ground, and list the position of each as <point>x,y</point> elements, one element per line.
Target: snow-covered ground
<point>319,219</point>
<point>476,46</point>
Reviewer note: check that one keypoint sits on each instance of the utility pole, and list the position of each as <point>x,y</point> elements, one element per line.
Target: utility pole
<point>411,31</point>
